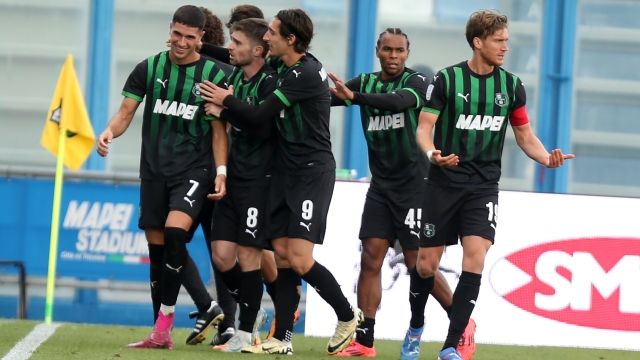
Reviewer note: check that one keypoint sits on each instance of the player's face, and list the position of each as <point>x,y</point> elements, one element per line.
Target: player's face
<point>183,40</point>
<point>278,45</point>
<point>494,47</point>
<point>393,53</point>
<point>240,49</point>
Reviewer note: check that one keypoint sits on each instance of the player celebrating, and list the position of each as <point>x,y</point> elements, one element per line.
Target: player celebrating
<point>176,158</point>
<point>470,104</point>
<point>390,102</point>
<point>303,182</point>
<point>238,219</point>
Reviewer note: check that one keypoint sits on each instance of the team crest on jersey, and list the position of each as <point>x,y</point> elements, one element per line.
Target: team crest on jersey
<point>429,230</point>
<point>501,99</point>
<point>196,89</point>
<point>248,100</point>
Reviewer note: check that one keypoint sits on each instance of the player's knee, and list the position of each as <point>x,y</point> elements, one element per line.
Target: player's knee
<point>370,263</point>
<point>426,267</point>
<point>473,261</point>
<point>249,258</point>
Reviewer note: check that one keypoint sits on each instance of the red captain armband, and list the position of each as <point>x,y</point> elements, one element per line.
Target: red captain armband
<point>519,117</point>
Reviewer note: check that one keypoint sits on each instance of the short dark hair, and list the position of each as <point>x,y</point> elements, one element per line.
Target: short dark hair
<point>296,22</point>
<point>189,15</point>
<point>392,31</point>
<point>254,29</point>
<point>242,12</point>
<point>484,23</point>
<point>213,28</point>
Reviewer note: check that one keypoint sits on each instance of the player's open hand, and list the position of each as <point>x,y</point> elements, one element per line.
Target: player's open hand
<point>446,161</point>
<point>212,93</point>
<point>340,90</point>
<point>212,109</point>
<point>557,158</point>
<point>103,142</point>
<point>220,188</point>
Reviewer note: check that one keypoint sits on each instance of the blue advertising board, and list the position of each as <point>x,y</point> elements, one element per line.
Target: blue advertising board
<point>98,239</point>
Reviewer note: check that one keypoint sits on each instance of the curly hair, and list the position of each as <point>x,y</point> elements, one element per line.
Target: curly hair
<point>213,29</point>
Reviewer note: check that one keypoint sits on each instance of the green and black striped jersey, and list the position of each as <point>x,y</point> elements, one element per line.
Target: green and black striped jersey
<point>303,125</point>
<point>395,160</point>
<point>251,156</point>
<point>176,133</point>
<point>473,111</point>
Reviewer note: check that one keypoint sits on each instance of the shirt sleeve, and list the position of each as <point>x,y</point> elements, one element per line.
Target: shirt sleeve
<point>301,83</point>
<point>218,77</point>
<point>135,87</point>
<point>217,52</point>
<point>267,87</point>
<point>436,96</point>
<point>520,94</point>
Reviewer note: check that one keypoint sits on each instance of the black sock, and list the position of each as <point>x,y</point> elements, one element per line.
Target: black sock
<point>192,282</point>
<point>226,301</point>
<point>364,332</point>
<point>175,260</point>
<point>271,290</point>
<point>231,279</point>
<point>464,300</point>
<point>447,309</point>
<point>419,290</point>
<point>327,287</point>
<point>286,302</point>
<point>156,257</point>
<point>250,298</point>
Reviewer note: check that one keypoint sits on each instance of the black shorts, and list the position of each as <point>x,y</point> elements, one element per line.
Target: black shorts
<point>240,216</point>
<point>298,205</point>
<point>451,213</point>
<point>158,198</point>
<point>394,215</point>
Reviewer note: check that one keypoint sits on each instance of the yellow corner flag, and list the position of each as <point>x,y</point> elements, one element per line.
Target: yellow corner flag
<point>68,135</point>
<point>68,113</point>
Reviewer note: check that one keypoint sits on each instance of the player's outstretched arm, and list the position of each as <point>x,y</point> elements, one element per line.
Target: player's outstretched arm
<point>396,101</point>
<point>426,122</point>
<point>534,149</point>
<point>117,125</point>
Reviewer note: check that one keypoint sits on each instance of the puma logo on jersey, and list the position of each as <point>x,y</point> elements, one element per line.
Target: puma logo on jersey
<point>323,74</point>
<point>479,122</point>
<point>174,269</point>
<point>189,201</point>
<point>422,77</point>
<point>175,108</point>
<point>386,122</point>
<point>296,73</point>
<point>465,97</point>
<point>164,83</point>
<point>306,226</point>
<point>253,233</point>
<point>414,233</point>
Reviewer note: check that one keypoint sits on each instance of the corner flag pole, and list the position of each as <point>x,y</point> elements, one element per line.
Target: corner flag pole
<point>55,223</point>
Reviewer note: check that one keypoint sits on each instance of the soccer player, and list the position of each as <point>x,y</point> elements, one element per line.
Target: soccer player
<point>176,159</point>
<point>302,184</point>
<point>470,104</point>
<point>238,219</point>
<point>390,103</point>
